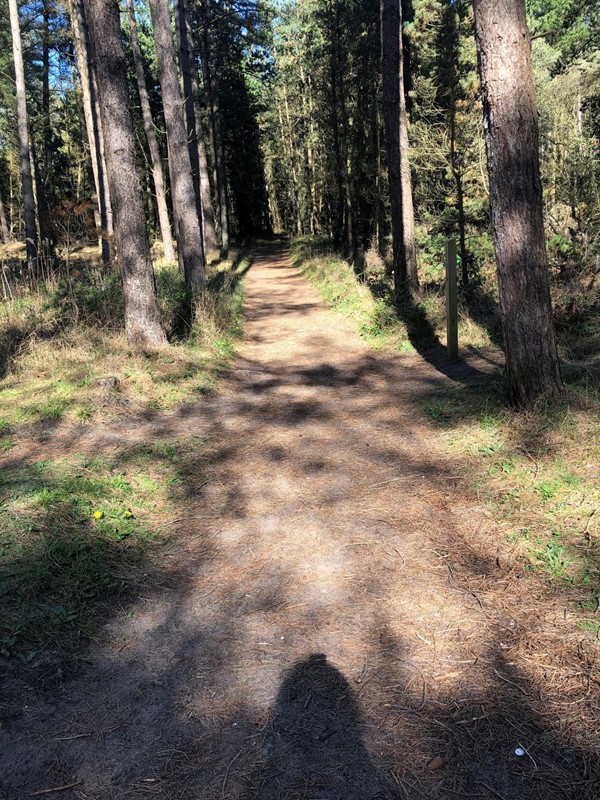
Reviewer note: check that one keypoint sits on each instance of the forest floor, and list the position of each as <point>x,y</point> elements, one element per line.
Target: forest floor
<point>330,612</point>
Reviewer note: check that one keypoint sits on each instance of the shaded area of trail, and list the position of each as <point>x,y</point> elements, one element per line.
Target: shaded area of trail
<point>334,617</point>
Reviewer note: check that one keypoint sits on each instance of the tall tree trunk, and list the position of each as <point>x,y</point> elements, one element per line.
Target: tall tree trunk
<point>408,214</point>
<point>511,135</point>
<point>187,223</point>
<point>106,209</point>
<point>391,38</point>
<point>46,12</point>
<point>142,322</point>
<point>379,210</point>
<point>297,193</point>
<point>339,165</point>
<point>451,47</point>
<point>4,229</point>
<point>157,169</point>
<point>196,143</point>
<point>309,154</point>
<point>31,238</point>
<point>344,150</point>
<point>89,96</point>
<point>214,112</point>
<point>457,174</point>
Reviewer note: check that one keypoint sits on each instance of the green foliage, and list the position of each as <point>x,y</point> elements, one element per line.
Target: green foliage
<point>72,530</point>
<point>367,300</point>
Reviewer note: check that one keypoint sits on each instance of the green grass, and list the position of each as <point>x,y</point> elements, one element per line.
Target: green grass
<point>52,363</point>
<point>367,301</point>
<point>537,475</point>
<point>537,472</point>
<point>74,532</point>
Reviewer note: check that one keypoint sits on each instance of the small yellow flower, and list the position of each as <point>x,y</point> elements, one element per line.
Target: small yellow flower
<point>98,514</point>
<point>128,514</point>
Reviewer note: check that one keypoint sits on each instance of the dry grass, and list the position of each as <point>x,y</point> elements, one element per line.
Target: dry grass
<point>51,363</point>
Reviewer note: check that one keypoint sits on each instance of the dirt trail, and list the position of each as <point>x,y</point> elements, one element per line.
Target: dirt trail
<point>332,623</point>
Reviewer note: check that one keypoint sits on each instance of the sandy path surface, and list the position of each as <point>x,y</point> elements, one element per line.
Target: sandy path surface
<point>332,622</point>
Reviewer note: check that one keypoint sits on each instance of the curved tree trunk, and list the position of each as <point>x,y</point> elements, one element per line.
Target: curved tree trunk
<point>511,136</point>
<point>31,237</point>
<point>142,322</point>
<point>188,231</point>
<point>157,169</point>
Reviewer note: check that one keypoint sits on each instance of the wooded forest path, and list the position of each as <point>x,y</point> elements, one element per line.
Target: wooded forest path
<point>333,619</point>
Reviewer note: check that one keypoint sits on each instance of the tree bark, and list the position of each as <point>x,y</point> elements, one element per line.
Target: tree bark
<point>31,237</point>
<point>212,96</point>
<point>142,322</point>
<point>405,282</point>
<point>408,213</point>
<point>194,124</point>
<point>91,115</point>
<point>185,215</point>
<point>511,136</point>
<point>46,12</point>
<point>339,165</point>
<point>348,227</point>
<point>4,229</point>
<point>157,169</point>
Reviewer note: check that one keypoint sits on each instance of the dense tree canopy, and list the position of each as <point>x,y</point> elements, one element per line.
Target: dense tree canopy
<point>287,127</point>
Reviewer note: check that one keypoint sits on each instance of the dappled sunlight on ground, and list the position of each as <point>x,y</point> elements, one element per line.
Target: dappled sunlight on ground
<point>332,615</point>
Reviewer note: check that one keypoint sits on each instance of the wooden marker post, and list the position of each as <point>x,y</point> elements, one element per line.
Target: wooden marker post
<point>451,302</point>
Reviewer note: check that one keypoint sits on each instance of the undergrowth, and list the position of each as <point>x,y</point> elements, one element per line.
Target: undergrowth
<point>536,472</point>
<point>74,535</point>
<point>55,344</point>
<point>365,296</point>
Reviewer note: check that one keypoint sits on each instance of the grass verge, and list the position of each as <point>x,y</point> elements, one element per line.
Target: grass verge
<point>77,531</point>
<point>537,472</point>
<point>366,298</point>
<point>50,364</point>
<point>74,533</point>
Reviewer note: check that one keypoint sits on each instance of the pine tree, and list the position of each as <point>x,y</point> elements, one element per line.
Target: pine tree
<point>511,132</point>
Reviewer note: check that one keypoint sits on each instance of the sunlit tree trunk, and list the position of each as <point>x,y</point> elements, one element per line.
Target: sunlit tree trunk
<point>212,100</point>
<point>185,213</point>
<point>4,229</point>
<point>194,125</point>
<point>142,322</point>
<point>31,236</point>
<point>157,168</point>
<point>91,115</point>
<point>511,135</point>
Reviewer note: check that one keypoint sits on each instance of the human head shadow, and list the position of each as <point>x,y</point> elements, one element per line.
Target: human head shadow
<point>315,750</point>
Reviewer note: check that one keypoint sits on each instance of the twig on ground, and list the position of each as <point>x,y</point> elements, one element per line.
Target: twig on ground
<point>56,789</point>
<point>233,760</point>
